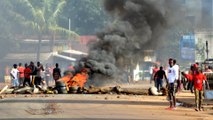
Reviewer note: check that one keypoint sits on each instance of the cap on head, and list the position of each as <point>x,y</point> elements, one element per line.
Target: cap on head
<point>195,66</point>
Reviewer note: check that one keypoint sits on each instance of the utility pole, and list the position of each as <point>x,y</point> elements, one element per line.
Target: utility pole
<point>207,50</point>
<point>69,24</point>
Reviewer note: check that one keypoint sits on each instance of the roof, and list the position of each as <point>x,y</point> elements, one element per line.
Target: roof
<point>75,52</point>
<point>64,57</point>
<point>25,57</point>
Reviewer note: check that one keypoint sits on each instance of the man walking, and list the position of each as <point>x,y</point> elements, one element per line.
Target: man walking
<point>160,74</point>
<point>199,79</point>
<point>56,72</point>
<point>154,71</point>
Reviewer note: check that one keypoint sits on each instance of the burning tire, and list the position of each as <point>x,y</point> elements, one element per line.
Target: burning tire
<point>73,89</point>
<point>62,90</point>
<point>61,87</point>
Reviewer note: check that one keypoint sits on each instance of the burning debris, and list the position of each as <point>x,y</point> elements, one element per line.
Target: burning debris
<point>139,26</point>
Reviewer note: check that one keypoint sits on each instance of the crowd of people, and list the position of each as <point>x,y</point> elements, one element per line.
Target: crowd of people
<point>175,80</point>
<point>33,75</point>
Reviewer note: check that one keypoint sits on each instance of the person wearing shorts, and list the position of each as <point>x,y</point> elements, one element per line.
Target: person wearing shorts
<point>171,79</point>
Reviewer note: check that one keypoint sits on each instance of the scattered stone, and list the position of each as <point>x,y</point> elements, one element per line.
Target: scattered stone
<point>118,96</point>
<point>106,98</point>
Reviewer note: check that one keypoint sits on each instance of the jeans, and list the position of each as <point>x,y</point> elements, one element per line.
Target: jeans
<point>15,83</point>
<point>159,83</point>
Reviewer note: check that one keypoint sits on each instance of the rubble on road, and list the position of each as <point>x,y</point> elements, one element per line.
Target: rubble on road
<point>61,88</point>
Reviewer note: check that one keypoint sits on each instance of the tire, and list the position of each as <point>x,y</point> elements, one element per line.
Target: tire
<point>73,89</point>
<point>60,84</point>
<point>62,90</point>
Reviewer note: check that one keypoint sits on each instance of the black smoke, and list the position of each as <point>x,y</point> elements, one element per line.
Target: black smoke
<point>138,26</point>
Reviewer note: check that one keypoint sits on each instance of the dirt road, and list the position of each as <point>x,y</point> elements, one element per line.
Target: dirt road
<point>94,107</point>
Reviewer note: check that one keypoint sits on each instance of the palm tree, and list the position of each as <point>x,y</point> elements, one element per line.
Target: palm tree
<point>40,18</point>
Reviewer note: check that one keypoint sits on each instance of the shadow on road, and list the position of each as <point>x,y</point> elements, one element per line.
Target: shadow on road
<point>88,102</point>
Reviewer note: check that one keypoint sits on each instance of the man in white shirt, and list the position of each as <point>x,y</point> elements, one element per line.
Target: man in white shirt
<point>15,75</point>
<point>177,69</point>
<point>172,75</point>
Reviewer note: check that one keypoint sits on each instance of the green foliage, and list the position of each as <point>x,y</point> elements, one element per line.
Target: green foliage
<point>87,16</point>
<point>40,16</point>
<point>200,50</point>
<point>6,34</point>
<point>48,17</point>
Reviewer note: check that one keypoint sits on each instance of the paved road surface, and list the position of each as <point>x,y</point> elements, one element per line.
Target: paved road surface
<point>93,107</point>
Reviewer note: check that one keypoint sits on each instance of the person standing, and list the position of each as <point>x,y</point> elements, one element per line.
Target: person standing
<point>198,79</point>
<point>15,75</point>
<point>177,69</point>
<point>190,81</point>
<point>160,74</point>
<point>33,74</point>
<point>56,72</point>
<point>27,72</point>
<point>47,72</point>
<point>171,85</point>
<point>154,71</point>
<point>40,69</point>
<point>21,74</point>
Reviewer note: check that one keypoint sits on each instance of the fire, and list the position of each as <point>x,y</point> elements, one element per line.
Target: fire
<point>78,80</point>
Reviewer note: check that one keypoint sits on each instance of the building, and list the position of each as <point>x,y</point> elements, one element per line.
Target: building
<point>199,14</point>
<point>65,52</point>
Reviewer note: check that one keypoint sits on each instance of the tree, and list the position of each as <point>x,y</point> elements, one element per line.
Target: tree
<point>6,24</point>
<point>39,17</point>
<point>87,16</point>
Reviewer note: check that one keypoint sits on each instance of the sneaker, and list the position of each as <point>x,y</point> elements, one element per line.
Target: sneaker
<point>174,108</point>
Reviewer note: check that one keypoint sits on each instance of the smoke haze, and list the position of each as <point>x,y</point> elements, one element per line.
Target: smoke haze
<point>139,26</point>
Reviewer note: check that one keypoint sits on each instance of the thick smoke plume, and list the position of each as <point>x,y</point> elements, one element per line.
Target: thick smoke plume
<point>139,26</point>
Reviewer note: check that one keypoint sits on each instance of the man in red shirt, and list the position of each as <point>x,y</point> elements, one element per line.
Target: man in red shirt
<point>198,78</point>
<point>21,74</point>
<point>27,73</point>
<point>154,71</point>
